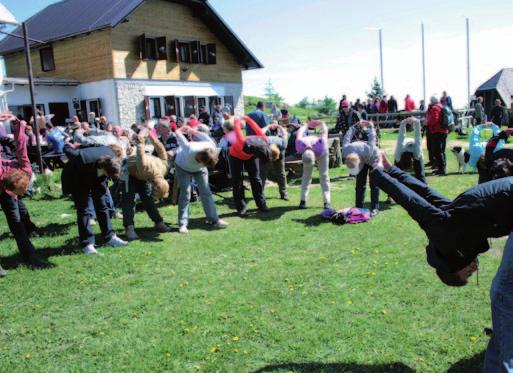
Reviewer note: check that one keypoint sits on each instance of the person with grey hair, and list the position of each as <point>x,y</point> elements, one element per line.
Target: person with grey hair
<point>279,137</point>
<point>438,135</point>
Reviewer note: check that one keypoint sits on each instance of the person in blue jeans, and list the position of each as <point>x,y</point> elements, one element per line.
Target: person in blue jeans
<point>499,355</point>
<point>192,161</point>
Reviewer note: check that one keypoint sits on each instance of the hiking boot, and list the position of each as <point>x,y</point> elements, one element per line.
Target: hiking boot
<point>90,250</point>
<point>130,233</point>
<point>161,227</point>
<point>3,272</point>
<point>327,205</point>
<point>243,212</point>
<point>115,241</point>
<point>302,205</point>
<point>183,229</point>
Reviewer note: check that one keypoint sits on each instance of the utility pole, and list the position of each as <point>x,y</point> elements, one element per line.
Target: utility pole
<point>468,62</point>
<point>423,64</point>
<point>381,58</point>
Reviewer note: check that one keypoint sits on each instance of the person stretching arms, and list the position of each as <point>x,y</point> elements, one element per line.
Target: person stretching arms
<point>408,152</point>
<point>457,230</point>
<point>193,158</point>
<point>314,150</point>
<point>243,155</point>
<point>357,156</point>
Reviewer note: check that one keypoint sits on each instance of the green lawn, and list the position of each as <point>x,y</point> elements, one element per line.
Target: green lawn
<point>276,292</point>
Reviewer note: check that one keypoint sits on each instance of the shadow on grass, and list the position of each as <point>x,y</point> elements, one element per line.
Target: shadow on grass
<point>473,364</point>
<point>312,221</point>
<point>337,368</point>
<point>274,213</point>
<point>148,235</point>
<point>49,230</point>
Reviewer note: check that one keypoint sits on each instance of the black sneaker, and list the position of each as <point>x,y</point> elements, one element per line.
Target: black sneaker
<point>36,263</point>
<point>285,197</point>
<point>3,272</point>
<point>264,208</point>
<point>302,205</point>
<point>327,206</point>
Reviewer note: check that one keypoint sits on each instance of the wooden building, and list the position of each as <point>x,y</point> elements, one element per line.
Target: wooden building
<point>129,60</point>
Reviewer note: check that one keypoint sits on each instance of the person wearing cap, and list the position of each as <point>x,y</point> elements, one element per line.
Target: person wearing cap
<point>346,119</point>
<point>314,150</point>
<point>278,136</point>
<point>357,155</point>
<point>457,230</point>
<point>204,116</point>
<point>193,122</point>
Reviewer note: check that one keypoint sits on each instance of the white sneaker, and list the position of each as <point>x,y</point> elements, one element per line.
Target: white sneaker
<point>91,222</point>
<point>162,227</point>
<point>89,249</point>
<point>118,215</point>
<point>130,233</point>
<point>221,224</point>
<point>115,241</point>
<point>183,229</point>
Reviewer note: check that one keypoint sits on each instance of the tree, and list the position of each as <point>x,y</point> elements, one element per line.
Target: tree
<point>304,103</point>
<point>326,106</point>
<point>376,90</point>
<point>271,94</point>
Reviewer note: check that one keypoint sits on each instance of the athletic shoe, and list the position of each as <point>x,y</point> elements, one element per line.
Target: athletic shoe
<point>244,212</point>
<point>221,224</point>
<point>161,227</point>
<point>89,249</point>
<point>264,208</point>
<point>183,229</point>
<point>118,215</point>
<point>91,222</point>
<point>3,272</point>
<point>130,233</point>
<point>327,206</point>
<point>285,197</point>
<point>115,241</point>
<point>302,205</point>
<point>374,213</point>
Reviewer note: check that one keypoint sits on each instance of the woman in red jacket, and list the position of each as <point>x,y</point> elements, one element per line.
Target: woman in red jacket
<point>244,154</point>
<point>438,135</point>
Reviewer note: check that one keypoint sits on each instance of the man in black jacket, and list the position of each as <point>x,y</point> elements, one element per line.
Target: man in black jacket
<point>84,176</point>
<point>457,230</point>
<point>346,119</point>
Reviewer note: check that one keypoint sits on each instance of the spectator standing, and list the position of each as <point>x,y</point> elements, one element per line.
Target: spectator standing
<point>497,112</point>
<point>275,112</point>
<point>479,114</point>
<point>346,119</point>
<point>409,104</point>
<point>392,105</point>
<point>446,100</point>
<point>204,116</point>
<point>438,135</point>
<point>361,112</point>
<point>258,117</point>
<point>422,106</point>
<point>383,105</point>
<point>285,111</point>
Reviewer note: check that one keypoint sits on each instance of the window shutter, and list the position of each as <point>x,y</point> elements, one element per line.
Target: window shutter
<point>195,47</point>
<point>147,107</point>
<point>204,55</point>
<point>170,105</point>
<point>143,54</point>
<point>100,111</point>
<point>211,54</point>
<point>175,45</point>
<point>161,48</point>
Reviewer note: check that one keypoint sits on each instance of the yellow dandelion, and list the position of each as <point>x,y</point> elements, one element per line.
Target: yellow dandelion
<point>213,350</point>
<point>101,333</point>
<point>385,312</point>
<point>168,354</point>
<point>349,302</point>
<point>235,338</point>
<point>473,338</point>
<point>235,350</point>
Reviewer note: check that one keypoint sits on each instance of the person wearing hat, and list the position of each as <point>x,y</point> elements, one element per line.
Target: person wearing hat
<point>314,150</point>
<point>457,230</point>
<point>357,155</point>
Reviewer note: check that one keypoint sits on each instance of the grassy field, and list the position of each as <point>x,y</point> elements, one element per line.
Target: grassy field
<point>276,292</point>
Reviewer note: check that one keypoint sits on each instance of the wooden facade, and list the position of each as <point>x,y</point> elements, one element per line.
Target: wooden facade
<point>86,58</point>
<point>115,53</point>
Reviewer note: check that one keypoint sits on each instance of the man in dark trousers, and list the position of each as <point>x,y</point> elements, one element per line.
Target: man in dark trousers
<point>497,113</point>
<point>84,176</point>
<point>438,135</point>
<point>258,117</point>
<point>392,105</point>
<point>457,230</point>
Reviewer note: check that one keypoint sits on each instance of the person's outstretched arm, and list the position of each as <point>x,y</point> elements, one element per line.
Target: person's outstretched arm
<point>159,147</point>
<point>301,131</point>
<point>324,131</point>
<point>400,141</point>
<point>255,127</point>
<point>418,139</point>
<point>348,136</point>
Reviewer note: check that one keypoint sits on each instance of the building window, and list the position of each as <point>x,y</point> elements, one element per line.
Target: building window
<point>184,52</point>
<point>155,108</point>
<point>47,61</point>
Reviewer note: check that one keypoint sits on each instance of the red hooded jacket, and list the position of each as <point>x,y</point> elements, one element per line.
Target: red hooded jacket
<point>434,119</point>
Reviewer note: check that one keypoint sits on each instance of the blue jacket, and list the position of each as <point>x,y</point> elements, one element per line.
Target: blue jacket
<point>260,118</point>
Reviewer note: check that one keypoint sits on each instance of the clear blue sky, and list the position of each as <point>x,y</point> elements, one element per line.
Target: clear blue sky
<point>313,48</point>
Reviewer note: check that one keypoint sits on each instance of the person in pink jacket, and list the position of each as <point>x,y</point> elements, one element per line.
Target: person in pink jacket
<point>14,181</point>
